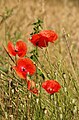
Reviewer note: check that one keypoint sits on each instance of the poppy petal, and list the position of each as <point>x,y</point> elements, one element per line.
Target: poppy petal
<point>27,64</point>
<point>35,39</point>
<point>51,35</point>
<point>11,48</point>
<point>22,48</point>
<point>19,73</point>
<point>39,40</point>
<point>42,42</point>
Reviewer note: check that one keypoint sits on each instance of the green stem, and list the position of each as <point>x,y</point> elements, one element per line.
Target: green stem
<point>71,58</point>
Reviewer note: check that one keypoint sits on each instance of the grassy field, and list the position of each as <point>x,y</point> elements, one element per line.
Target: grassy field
<point>58,61</point>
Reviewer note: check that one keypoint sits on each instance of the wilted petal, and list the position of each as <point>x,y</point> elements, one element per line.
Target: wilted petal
<point>31,86</point>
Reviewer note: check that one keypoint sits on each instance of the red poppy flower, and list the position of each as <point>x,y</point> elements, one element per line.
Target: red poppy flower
<point>24,66</point>
<point>32,87</point>
<point>20,48</point>
<point>51,86</point>
<point>42,38</point>
<point>39,40</point>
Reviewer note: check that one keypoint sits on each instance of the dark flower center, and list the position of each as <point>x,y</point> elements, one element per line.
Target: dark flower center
<point>23,69</point>
<point>16,50</point>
